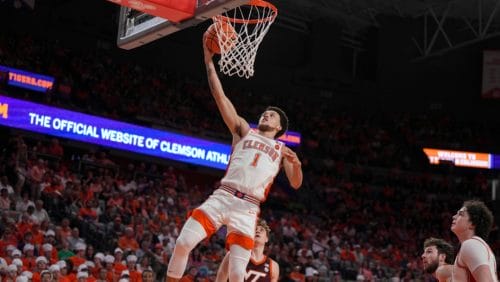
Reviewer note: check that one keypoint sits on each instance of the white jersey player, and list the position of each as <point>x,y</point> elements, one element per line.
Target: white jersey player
<point>256,159</point>
<point>475,261</point>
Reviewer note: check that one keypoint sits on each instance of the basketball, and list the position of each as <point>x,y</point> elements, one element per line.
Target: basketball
<point>228,37</point>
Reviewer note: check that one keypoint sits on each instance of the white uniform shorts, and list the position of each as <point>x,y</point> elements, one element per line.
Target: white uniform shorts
<point>239,215</point>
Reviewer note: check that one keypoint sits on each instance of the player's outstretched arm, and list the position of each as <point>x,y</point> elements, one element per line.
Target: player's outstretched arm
<point>222,272</point>
<point>237,125</point>
<point>293,167</point>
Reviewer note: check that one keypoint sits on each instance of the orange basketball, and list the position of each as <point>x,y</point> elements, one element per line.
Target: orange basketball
<point>228,36</point>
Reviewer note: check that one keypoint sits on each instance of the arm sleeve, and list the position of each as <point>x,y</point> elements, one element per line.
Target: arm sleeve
<point>474,254</point>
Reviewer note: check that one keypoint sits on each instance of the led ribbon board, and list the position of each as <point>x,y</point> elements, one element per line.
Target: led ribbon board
<point>461,158</point>
<point>28,80</point>
<point>291,138</point>
<point>119,135</point>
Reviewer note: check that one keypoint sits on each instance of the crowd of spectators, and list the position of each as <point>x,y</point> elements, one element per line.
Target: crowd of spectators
<point>368,202</point>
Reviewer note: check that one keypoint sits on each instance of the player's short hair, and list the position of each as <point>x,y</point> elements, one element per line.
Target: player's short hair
<point>442,247</point>
<point>283,120</point>
<point>262,223</point>
<point>480,216</point>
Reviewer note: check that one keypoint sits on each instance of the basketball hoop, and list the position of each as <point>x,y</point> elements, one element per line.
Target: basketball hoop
<point>251,23</point>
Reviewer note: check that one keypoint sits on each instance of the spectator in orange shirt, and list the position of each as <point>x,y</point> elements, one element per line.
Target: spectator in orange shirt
<point>23,227</point>
<point>46,250</point>
<point>102,275</point>
<point>116,202</point>
<point>5,253</point>
<point>55,148</point>
<point>86,194</point>
<point>41,266</point>
<point>346,253</point>
<point>37,234</point>
<point>85,269</point>
<point>50,238</point>
<point>29,260</point>
<point>9,238</point>
<point>118,265</point>
<point>111,275</point>
<point>135,276</point>
<point>127,241</point>
<point>297,275</point>
<point>87,212</point>
<point>54,188</point>
<point>98,264</point>
<point>64,275</point>
<point>79,258</point>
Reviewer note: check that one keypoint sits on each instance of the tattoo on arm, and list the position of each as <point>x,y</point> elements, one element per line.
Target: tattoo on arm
<point>209,73</point>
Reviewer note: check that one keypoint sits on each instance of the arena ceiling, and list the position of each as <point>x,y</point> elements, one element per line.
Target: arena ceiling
<point>357,11</point>
<point>366,10</point>
<point>439,25</point>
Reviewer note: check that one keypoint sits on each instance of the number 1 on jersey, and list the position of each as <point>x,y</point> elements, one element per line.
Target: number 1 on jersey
<point>255,160</point>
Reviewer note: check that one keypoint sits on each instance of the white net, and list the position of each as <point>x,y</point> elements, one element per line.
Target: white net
<point>240,32</point>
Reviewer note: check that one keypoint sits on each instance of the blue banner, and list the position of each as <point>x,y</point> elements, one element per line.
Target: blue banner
<point>119,135</point>
<point>28,80</point>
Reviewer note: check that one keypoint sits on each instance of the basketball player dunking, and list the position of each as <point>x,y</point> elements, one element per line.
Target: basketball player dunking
<point>438,259</point>
<point>260,268</point>
<point>475,261</point>
<point>256,159</point>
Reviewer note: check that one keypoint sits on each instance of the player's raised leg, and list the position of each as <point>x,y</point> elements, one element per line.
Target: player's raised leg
<point>191,234</point>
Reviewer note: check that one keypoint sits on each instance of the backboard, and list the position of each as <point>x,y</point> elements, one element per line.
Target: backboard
<point>136,28</point>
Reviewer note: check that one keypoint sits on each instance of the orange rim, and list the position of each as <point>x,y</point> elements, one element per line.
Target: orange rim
<point>258,3</point>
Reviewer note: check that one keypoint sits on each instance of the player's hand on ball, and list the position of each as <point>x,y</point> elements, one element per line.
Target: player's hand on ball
<point>208,54</point>
<point>291,156</point>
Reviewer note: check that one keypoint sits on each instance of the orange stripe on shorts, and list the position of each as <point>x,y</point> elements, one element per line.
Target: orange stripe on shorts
<point>239,239</point>
<point>203,219</point>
